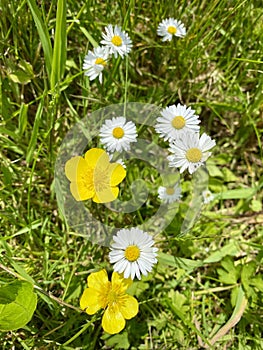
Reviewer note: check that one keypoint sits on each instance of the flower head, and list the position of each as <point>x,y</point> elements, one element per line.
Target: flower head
<point>132,253</point>
<point>207,196</point>
<point>169,27</point>
<point>94,63</point>
<point>175,120</point>
<point>94,176</point>
<point>170,194</point>
<point>111,296</point>
<point>117,41</point>
<point>190,151</point>
<point>116,134</point>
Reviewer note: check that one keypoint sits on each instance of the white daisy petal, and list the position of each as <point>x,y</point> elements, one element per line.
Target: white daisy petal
<point>171,27</point>
<point>175,121</point>
<point>190,151</point>
<point>117,134</point>
<point>116,41</point>
<point>134,251</point>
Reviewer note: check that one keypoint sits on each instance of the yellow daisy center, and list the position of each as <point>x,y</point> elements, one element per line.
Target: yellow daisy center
<point>118,132</point>
<point>132,253</point>
<point>116,40</point>
<point>101,61</point>
<point>171,30</point>
<point>194,155</point>
<point>178,122</point>
<point>170,191</point>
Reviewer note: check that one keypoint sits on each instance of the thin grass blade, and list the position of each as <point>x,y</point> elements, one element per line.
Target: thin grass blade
<point>60,44</point>
<point>43,34</point>
<point>33,140</point>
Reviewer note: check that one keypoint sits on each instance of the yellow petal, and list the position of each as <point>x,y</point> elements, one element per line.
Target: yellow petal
<point>73,166</point>
<point>120,282</point>
<point>89,301</point>
<point>107,195</point>
<point>112,321</point>
<point>98,280</point>
<point>95,155</point>
<point>81,192</point>
<point>129,307</point>
<point>117,174</point>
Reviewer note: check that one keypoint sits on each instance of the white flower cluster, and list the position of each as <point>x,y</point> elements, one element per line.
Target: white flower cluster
<point>115,42</point>
<point>118,43</point>
<point>179,125</point>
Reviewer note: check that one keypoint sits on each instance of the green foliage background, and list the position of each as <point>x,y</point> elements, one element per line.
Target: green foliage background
<point>217,70</point>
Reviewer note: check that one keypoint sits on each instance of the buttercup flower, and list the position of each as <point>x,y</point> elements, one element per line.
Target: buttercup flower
<point>169,27</point>
<point>170,194</point>
<point>111,296</point>
<point>117,41</point>
<point>116,134</point>
<point>207,196</point>
<point>94,176</point>
<point>132,253</point>
<point>175,120</point>
<point>94,63</point>
<point>189,151</point>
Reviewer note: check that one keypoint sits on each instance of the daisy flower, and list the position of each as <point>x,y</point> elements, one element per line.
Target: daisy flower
<point>112,297</point>
<point>190,151</point>
<point>169,194</point>
<point>116,41</point>
<point>175,120</point>
<point>132,253</point>
<point>207,196</point>
<point>116,134</point>
<point>169,27</point>
<point>94,63</point>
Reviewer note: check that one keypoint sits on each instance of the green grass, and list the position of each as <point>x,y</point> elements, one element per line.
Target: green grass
<point>217,70</point>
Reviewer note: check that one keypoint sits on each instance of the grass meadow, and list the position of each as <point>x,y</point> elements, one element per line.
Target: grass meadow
<point>206,289</point>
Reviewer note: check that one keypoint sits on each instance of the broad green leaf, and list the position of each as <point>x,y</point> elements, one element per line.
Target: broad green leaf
<point>247,274</point>
<point>228,175</point>
<point>214,171</point>
<point>230,273</point>
<point>256,205</point>
<point>182,263</point>
<point>258,282</point>
<point>218,255</point>
<point>21,73</point>
<point>43,34</point>
<point>120,340</point>
<point>17,305</point>
<point>238,193</point>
